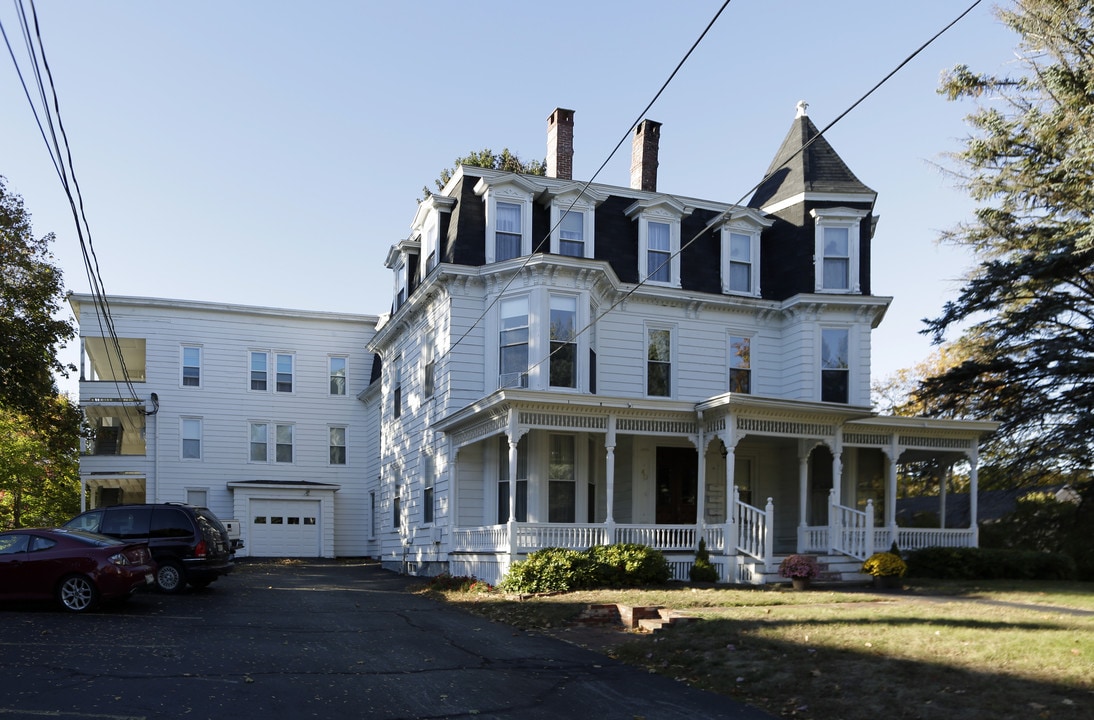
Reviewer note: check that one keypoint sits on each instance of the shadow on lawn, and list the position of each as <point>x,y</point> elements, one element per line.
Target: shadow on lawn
<point>807,679</point>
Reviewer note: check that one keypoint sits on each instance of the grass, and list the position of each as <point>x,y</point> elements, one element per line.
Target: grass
<point>936,650</point>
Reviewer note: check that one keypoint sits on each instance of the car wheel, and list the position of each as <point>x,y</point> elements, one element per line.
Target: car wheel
<point>169,577</point>
<point>77,593</point>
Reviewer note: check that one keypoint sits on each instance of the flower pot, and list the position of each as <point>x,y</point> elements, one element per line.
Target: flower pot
<point>888,582</point>
<point>800,583</point>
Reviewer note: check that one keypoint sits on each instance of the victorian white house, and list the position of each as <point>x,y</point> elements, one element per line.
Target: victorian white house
<point>564,364</point>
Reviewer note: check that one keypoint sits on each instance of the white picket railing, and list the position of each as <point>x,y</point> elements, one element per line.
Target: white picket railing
<point>852,530</point>
<point>662,537</point>
<point>533,536</point>
<point>754,536</point>
<point>919,538</point>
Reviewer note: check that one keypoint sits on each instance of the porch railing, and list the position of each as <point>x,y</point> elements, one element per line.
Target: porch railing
<point>754,536</point>
<point>852,531</point>
<point>534,536</point>
<point>919,538</point>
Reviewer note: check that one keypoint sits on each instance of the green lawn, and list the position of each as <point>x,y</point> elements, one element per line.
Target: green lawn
<point>935,650</point>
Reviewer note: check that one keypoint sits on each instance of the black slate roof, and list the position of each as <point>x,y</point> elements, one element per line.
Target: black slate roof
<point>816,169</point>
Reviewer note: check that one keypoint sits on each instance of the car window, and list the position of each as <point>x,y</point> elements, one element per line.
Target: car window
<point>170,523</point>
<point>87,521</point>
<point>206,517</point>
<point>127,522</point>
<point>37,542</point>
<point>11,544</point>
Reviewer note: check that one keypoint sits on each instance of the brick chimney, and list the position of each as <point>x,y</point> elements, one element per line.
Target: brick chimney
<point>644,155</point>
<point>560,144</point>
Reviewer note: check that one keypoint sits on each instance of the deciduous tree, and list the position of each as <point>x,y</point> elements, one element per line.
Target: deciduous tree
<point>487,158</point>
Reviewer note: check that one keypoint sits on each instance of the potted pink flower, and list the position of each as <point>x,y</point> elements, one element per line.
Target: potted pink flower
<point>801,569</point>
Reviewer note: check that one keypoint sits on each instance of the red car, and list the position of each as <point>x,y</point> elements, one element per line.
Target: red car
<point>77,568</point>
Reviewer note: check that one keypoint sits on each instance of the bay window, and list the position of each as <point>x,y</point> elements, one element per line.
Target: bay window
<point>659,362</point>
<point>835,365</point>
<point>563,364</point>
<point>513,343</point>
<point>740,364</point>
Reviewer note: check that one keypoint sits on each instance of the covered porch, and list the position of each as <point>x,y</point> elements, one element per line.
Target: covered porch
<point>756,478</point>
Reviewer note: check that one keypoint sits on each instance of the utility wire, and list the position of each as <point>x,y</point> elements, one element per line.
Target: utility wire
<point>722,215</point>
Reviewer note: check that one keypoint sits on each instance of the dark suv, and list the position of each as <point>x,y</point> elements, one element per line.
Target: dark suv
<point>189,544</point>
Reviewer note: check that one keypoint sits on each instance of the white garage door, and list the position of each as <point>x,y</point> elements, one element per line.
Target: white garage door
<point>284,528</point>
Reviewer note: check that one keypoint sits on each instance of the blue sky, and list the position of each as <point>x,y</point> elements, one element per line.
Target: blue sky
<point>269,153</point>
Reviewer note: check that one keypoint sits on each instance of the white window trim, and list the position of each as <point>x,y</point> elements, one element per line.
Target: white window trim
<point>182,438</point>
<point>580,343</point>
<point>751,337</point>
<point>851,364</point>
<point>662,209</point>
<point>673,339</point>
<point>330,374</point>
<point>272,439</point>
<point>251,423</point>
<point>258,351</point>
<point>838,217</point>
<point>272,363</point>
<point>533,343</point>
<point>574,198</point>
<point>182,365</point>
<point>744,221</point>
<point>515,190</point>
<point>344,445</point>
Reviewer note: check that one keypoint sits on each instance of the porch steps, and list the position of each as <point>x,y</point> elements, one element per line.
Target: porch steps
<point>649,619</point>
<point>834,569</point>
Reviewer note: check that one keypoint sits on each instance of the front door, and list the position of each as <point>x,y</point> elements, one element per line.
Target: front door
<point>677,485</point>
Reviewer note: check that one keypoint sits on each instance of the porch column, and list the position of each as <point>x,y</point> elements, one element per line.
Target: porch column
<point>732,498</point>
<point>700,482</point>
<point>609,469</point>
<point>943,475</point>
<point>974,483</point>
<point>893,454</point>
<point>514,439</point>
<point>805,448</point>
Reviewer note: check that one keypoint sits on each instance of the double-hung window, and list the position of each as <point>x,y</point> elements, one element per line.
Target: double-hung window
<point>508,200</point>
<point>740,263</point>
<point>429,362</point>
<point>561,480</point>
<point>836,255</point>
<point>563,365</point>
<point>571,234</point>
<point>507,231</point>
<point>513,343</point>
<point>284,373</point>
<point>397,387</point>
<point>659,239</point>
<point>283,443</point>
<point>259,370</point>
<point>740,241</point>
<point>427,488</point>
<point>191,438</point>
<point>191,366</point>
<point>659,362</point>
<point>740,364</point>
<point>259,448</point>
<point>337,445</point>
<point>835,365</point>
<point>337,375</point>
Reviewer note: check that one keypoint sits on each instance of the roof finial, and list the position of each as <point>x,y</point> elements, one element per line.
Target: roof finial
<point>802,105</point>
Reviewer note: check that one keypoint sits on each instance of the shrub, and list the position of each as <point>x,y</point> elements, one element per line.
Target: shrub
<point>560,569</point>
<point>549,570</point>
<point>703,570</point>
<point>990,564</point>
<point>628,565</point>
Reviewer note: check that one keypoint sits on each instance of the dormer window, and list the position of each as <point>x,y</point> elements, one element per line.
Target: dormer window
<point>400,284</point>
<point>659,239</point>
<point>740,240</point>
<point>572,212</point>
<point>508,217</point>
<point>836,256</point>
<point>426,227</point>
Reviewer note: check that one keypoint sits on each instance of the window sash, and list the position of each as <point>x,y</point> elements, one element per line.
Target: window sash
<point>191,367</point>
<point>258,370</point>
<point>563,364</point>
<point>507,231</point>
<point>191,439</point>
<point>835,365</point>
<point>283,440</point>
<point>837,258</point>
<point>284,373</point>
<point>337,376</point>
<point>571,234</point>
<point>513,337</point>
<point>259,444</point>
<point>740,364</point>
<point>658,363</point>
<point>337,446</point>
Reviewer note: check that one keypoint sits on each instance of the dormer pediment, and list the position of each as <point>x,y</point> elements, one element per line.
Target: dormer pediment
<point>665,206</point>
<point>410,245</point>
<point>576,194</point>
<point>441,203</point>
<point>515,186</point>
<point>746,219</point>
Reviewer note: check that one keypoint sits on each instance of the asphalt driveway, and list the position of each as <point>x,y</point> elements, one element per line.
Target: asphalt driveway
<point>314,639</point>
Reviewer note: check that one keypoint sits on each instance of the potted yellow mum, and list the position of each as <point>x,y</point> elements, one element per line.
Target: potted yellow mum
<point>887,569</point>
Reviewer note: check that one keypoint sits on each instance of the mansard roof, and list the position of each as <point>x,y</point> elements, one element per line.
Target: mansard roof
<point>816,169</point>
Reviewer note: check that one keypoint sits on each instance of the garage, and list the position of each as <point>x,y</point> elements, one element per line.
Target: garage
<point>281,519</point>
<point>284,528</point>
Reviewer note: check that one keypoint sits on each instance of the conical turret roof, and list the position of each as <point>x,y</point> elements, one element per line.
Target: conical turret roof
<point>816,169</point>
